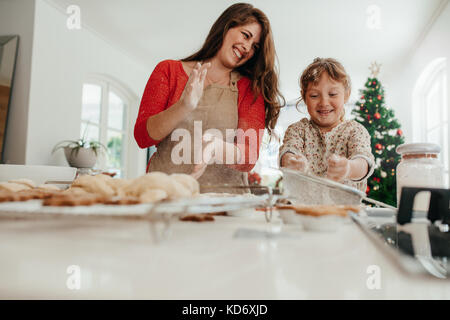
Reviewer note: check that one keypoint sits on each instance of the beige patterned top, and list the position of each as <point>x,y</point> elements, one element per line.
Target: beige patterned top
<point>348,139</point>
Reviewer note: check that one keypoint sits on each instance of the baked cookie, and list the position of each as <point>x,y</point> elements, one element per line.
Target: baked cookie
<point>63,200</point>
<point>8,196</point>
<point>32,194</point>
<point>122,201</point>
<point>197,217</point>
<point>322,210</point>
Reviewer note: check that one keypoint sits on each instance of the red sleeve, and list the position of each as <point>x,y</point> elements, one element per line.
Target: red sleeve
<point>251,123</point>
<point>154,100</point>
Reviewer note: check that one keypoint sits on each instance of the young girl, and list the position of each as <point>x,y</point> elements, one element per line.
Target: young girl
<point>327,145</point>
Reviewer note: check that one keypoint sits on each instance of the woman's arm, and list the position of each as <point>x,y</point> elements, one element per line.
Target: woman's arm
<point>247,141</point>
<point>250,131</point>
<point>156,120</point>
<point>162,124</point>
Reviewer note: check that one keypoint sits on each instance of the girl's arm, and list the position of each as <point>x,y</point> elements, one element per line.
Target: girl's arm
<point>341,168</point>
<point>360,162</point>
<point>291,153</point>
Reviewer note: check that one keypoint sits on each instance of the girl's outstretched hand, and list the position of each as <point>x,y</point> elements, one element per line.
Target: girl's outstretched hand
<point>193,90</point>
<point>338,168</point>
<point>295,162</point>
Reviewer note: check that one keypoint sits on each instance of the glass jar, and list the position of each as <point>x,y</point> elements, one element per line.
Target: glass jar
<point>419,167</point>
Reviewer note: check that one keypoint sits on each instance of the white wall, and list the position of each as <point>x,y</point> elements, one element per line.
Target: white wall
<point>17,18</point>
<point>401,84</point>
<point>62,60</point>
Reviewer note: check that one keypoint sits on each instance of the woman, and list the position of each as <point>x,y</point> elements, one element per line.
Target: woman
<point>207,112</point>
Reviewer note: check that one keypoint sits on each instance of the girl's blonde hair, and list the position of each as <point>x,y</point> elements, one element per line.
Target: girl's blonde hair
<point>314,71</point>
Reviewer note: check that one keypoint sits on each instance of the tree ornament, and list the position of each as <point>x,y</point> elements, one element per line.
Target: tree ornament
<point>377,116</point>
<point>368,117</point>
<point>367,190</point>
<point>379,97</point>
<point>378,146</point>
<point>383,174</point>
<point>399,132</point>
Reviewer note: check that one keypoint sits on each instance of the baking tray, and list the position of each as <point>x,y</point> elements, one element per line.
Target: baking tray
<point>159,214</point>
<point>196,205</point>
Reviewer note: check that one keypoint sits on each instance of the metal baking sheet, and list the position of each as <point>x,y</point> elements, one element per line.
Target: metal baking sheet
<point>196,205</point>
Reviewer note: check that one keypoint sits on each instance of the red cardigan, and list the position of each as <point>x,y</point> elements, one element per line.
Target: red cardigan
<point>164,88</point>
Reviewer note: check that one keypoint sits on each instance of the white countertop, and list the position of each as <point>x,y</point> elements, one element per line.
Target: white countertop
<point>120,260</point>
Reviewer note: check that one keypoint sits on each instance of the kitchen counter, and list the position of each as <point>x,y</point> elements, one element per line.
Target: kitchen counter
<point>230,258</point>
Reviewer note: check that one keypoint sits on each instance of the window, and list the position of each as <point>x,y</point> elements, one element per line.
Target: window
<point>104,117</point>
<point>430,116</point>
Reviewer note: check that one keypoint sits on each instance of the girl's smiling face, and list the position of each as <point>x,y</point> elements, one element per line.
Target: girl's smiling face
<point>325,101</point>
<point>240,44</point>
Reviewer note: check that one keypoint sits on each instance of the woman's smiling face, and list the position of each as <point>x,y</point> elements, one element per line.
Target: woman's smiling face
<point>325,101</point>
<point>240,44</point>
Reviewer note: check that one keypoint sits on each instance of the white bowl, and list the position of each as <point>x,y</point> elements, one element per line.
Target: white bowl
<point>288,216</point>
<point>38,174</point>
<point>242,213</point>
<point>326,223</point>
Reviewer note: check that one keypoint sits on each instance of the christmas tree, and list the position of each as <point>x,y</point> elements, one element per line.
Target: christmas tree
<point>386,135</point>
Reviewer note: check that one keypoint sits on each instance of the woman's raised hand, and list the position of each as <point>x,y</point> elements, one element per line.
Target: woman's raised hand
<point>193,90</point>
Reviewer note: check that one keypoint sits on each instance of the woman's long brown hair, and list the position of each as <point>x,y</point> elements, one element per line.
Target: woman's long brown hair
<point>260,69</point>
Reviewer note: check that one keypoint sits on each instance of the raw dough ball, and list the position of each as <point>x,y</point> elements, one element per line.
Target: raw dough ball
<point>13,187</point>
<point>153,196</point>
<point>94,184</point>
<point>76,191</point>
<point>188,181</point>
<point>27,182</point>
<point>48,187</point>
<point>156,180</point>
<point>115,184</point>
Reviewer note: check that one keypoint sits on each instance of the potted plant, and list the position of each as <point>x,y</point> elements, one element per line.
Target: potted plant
<point>81,153</point>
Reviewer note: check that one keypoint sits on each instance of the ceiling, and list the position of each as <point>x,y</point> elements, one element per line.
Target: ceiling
<point>153,30</point>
